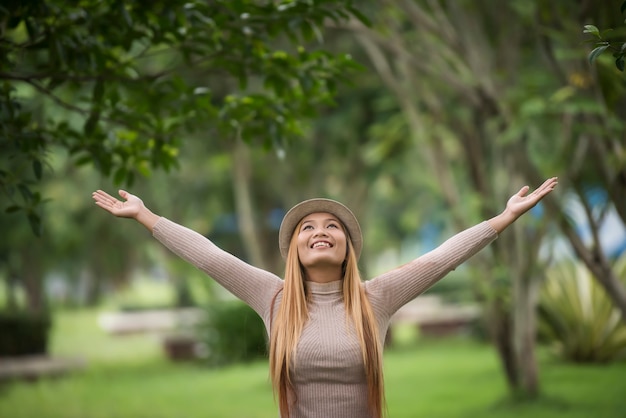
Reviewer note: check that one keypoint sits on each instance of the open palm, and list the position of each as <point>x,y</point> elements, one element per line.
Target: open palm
<point>129,208</point>
<point>520,203</point>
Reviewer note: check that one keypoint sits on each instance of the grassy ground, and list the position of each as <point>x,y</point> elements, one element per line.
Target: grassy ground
<point>128,377</point>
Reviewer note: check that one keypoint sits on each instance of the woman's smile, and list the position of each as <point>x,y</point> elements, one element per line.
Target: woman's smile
<point>321,241</point>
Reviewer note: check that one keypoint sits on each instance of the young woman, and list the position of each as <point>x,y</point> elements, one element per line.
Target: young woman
<point>326,326</point>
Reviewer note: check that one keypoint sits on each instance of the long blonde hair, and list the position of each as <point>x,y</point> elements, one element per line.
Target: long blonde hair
<point>292,314</point>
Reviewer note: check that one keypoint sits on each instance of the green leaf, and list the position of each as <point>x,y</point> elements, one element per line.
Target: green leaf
<point>127,19</point>
<point>357,13</point>
<point>596,52</point>
<point>36,198</point>
<point>605,32</point>
<point>25,191</point>
<point>13,208</point>
<point>37,169</point>
<point>98,91</point>
<point>120,176</point>
<point>619,63</point>
<point>92,122</point>
<point>35,223</point>
<point>591,29</point>
<point>623,8</point>
<point>83,160</point>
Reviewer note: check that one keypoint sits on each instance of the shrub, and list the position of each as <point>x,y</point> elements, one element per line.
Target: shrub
<point>233,332</point>
<point>577,316</point>
<point>23,334</point>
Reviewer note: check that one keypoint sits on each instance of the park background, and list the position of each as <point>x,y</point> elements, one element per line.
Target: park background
<point>421,116</point>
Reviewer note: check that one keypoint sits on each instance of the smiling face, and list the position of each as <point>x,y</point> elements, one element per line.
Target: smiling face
<point>321,241</point>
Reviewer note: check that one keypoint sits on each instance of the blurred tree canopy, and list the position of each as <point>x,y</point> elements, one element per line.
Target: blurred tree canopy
<point>117,83</point>
<point>606,41</point>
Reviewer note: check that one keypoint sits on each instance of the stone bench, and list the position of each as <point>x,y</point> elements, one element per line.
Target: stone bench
<point>35,367</point>
<point>156,320</point>
<point>434,318</point>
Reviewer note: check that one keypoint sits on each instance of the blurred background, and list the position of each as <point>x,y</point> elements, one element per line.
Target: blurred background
<point>423,117</point>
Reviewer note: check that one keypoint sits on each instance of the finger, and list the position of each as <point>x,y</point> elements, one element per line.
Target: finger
<point>101,193</point>
<point>551,181</point>
<point>99,196</point>
<point>124,194</point>
<point>104,206</point>
<point>548,186</point>
<point>522,192</point>
<point>103,197</point>
<point>545,184</point>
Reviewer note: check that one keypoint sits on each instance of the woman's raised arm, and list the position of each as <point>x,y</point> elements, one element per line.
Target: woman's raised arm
<point>396,287</point>
<point>254,286</point>
<point>131,207</point>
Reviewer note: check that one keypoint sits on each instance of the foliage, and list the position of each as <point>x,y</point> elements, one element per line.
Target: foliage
<point>603,43</point>
<point>233,332</point>
<point>23,334</point>
<point>120,96</point>
<point>579,318</point>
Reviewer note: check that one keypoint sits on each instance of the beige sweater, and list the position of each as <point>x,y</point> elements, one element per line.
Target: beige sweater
<point>328,373</point>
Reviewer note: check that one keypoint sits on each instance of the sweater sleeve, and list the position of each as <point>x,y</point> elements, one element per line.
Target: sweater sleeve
<point>395,288</point>
<point>254,286</point>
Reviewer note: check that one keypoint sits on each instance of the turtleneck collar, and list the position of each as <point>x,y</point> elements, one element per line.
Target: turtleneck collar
<point>329,288</point>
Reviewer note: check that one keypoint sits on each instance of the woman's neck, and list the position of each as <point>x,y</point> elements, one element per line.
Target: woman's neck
<point>323,274</point>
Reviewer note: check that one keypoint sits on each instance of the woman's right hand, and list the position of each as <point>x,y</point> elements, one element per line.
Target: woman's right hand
<point>129,208</point>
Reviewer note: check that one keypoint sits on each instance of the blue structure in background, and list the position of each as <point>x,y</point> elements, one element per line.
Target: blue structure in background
<point>612,231</point>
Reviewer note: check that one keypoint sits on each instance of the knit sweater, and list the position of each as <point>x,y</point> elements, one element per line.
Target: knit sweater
<point>328,371</point>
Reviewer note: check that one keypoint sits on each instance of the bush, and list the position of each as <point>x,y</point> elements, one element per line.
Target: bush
<point>23,334</point>
<point>233,332</point>
<point>577,316</point>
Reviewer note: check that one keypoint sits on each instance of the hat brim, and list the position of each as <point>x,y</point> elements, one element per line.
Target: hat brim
<point>307,207</point>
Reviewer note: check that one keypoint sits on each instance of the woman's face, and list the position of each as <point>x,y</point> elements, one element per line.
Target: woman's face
<point>321,241</point>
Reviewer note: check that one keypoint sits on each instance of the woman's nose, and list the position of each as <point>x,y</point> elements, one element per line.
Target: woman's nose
<point>320,232</point>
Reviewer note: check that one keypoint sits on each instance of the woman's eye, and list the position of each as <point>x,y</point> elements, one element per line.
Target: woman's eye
<point>332,226</point>
<point>305,227</point>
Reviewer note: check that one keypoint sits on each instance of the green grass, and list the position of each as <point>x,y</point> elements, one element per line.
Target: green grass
<point>463,379</point>
<point>77,334</point>
<point>128,377</point>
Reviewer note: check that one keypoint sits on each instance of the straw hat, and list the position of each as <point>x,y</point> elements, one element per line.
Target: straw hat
<point>302,209</point>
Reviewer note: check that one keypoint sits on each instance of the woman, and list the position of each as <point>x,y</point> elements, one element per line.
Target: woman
<point>326,326</point>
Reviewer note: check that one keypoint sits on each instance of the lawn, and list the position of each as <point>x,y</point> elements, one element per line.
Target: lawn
<point>128,377</point>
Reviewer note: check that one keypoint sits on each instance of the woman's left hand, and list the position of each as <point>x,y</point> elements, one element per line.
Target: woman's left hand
<point>520,203</point>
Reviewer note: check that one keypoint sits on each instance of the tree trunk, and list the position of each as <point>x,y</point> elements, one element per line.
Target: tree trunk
<point>94,281</point>
<point>32,277</point>
<point>499,325</point>
<point>11,289</point>
<point>243,203</point>
<point>525,313</point>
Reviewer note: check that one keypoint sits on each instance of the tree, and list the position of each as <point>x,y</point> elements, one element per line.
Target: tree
<point>496,104</point>
<point>123,98</point>
<point>126,93</point>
